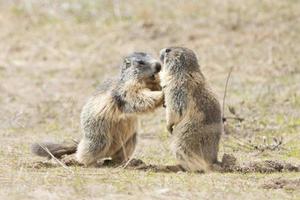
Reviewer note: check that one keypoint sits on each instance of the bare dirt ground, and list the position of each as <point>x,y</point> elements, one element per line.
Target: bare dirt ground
<point>54,53</point>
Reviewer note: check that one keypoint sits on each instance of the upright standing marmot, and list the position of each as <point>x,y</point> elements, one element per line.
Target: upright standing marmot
<point>109,118</point>
<point>193,112</point>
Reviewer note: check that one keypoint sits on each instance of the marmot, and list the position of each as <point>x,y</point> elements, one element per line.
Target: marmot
<point>193,113</point>
<point>109,118</point>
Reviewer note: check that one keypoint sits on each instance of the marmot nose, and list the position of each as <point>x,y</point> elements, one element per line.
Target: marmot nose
<point>157,67</point>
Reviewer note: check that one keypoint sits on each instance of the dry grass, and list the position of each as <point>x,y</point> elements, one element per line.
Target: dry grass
<point>52,55</point>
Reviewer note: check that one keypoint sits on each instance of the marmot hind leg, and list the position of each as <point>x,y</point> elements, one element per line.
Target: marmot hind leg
<point>191,161</point>
<point>90,151</point>
<point>126,151</point>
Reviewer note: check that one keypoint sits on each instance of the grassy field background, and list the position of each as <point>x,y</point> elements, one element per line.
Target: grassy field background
<point>54,53</point>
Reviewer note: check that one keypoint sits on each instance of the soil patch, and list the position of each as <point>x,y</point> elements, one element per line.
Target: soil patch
<point>281,183</point>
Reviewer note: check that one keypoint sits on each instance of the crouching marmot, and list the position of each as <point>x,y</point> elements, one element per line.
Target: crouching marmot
<point>109,118</point>
<point>193,113</point>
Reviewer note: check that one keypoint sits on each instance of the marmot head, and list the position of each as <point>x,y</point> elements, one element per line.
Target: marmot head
<point>179,60</point>
<point>139,66</point>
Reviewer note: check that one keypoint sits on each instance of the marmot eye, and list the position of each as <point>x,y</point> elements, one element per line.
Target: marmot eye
<point>168,50</point>
<point>140,62</point>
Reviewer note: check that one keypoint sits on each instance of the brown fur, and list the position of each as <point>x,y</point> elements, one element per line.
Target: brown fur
<point>109,118</point>
<point>193,112</point>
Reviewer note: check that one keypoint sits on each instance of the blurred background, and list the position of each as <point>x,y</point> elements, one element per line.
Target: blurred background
<point>54,53</point>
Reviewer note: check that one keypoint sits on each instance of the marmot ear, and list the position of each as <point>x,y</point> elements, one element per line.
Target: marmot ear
<point>127,63</point>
